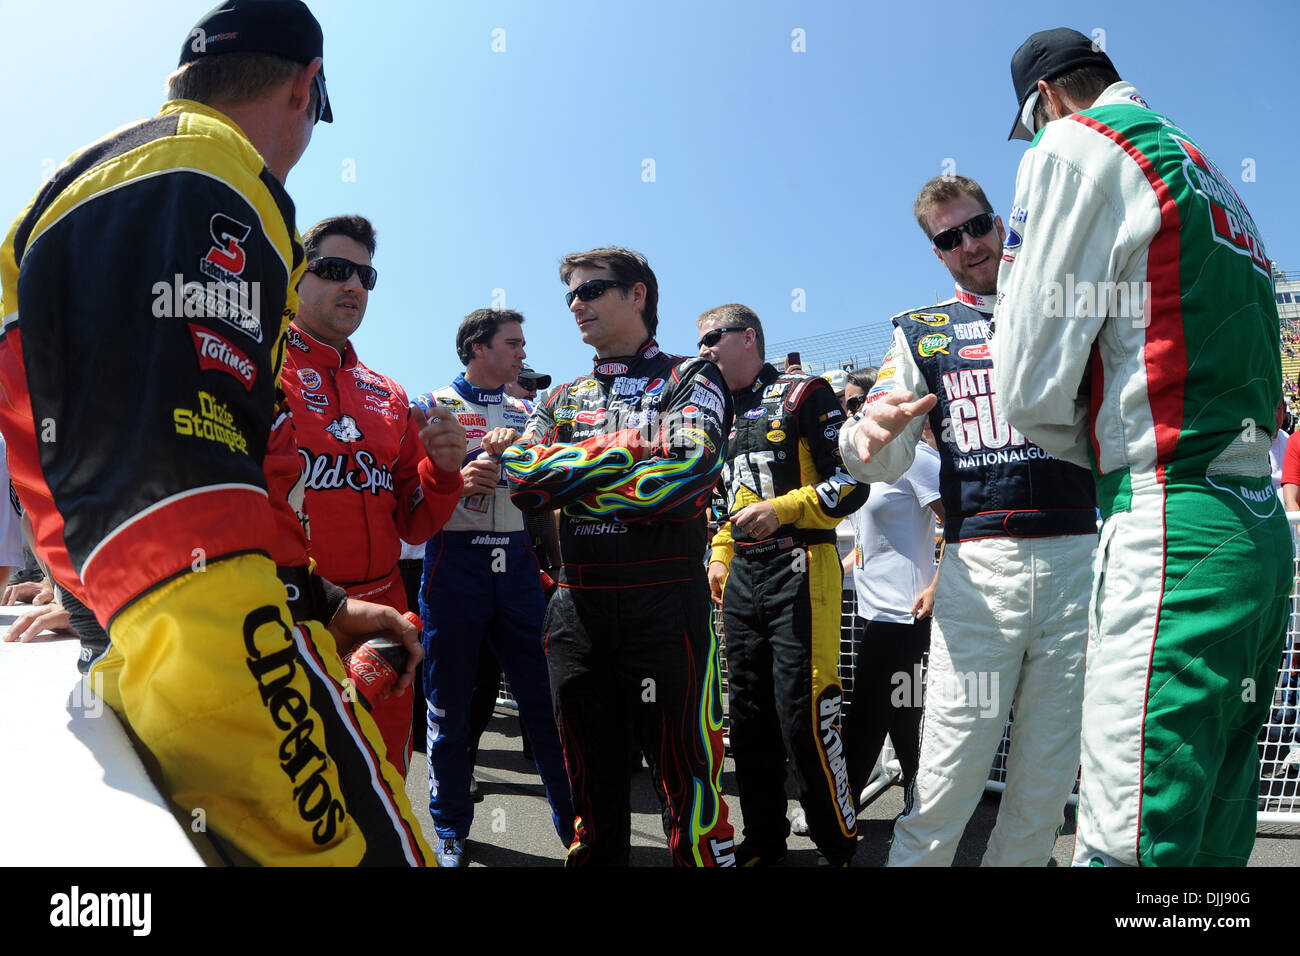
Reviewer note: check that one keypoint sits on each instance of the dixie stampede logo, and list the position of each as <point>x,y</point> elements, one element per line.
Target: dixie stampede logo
<point>216,353</point>
<point>1232,222</point>
<point>329,472</point>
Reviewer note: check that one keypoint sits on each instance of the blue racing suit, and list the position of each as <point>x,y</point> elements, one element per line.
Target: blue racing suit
<point>481,583</point>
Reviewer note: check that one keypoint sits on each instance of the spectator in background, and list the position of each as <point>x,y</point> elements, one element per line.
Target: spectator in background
<point>526,387</point>
<point>1278,450</point>
<point>894,576</point>
<point>839,380</point>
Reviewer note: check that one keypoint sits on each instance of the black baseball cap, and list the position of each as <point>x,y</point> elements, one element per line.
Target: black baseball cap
<point>281,27</point>
<point>539,380</point>
<point>1044,56</point>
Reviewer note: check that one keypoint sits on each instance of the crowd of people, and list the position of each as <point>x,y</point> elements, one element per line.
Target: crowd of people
<point>234,536</point>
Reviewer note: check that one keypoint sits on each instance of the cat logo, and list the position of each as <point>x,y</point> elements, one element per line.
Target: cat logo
<point>932,319</point>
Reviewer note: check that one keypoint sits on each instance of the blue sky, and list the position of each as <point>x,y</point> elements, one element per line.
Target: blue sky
<point>773,170</point>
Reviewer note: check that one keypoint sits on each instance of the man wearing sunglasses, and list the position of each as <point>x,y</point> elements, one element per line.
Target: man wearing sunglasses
<point>376,473</point>
<point>1137,334</point>
<point>1010,611</point>
<point>783,491</point>
<point>138,441</point>
<point>630,454</point>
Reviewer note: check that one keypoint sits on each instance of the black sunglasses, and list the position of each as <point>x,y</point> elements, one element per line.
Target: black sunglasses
<point>592,289</point>
<point>950,239</point>
<point>338,269</point>
<point>854,403</point>
<point>322,101</point>
<point>714,336</point>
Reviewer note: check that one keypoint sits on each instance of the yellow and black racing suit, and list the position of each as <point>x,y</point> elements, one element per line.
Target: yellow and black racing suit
<point>146,290</point>
<point>781,610</point>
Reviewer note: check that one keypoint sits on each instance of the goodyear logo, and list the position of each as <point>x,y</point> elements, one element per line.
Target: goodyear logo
<point>933,345</point>
<point>932,319</point>
<point>699,437</point>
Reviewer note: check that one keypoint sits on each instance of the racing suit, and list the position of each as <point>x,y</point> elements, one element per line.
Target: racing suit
<point>137,433</point>
<point>1160,370</point>
<point>369,485</point>
<point>781,609</point>
<point>631,454</point>
<point>1010,605</point>
<point>484,551</point>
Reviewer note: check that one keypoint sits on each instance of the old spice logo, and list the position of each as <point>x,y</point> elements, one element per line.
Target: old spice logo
<point>975,353</point>
<point>215,352</point>
<point>329,472</point>
<point>297,341</point>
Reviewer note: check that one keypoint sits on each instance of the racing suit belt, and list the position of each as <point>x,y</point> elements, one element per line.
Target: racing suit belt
<point>1020,524</point>
<point>632,574</point>
<point>780,543</point>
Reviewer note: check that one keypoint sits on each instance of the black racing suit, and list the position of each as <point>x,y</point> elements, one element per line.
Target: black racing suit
<point>781,609</point>
<point>631,455</point>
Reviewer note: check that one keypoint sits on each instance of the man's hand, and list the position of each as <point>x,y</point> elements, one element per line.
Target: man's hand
<point>481,476</point>
<point>757,520</point>
<point>924,604</point>
<point>360,619</point>
<point>29,625</point>
<point>29,592</point>
<point>717,577</point>
<point>883,420</point>
<point>498,440</point>
<point>443,437</point>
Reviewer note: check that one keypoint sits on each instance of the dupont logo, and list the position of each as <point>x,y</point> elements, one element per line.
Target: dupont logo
<point>215,352</point>
<point>975,353</point>
<point>611,368</point>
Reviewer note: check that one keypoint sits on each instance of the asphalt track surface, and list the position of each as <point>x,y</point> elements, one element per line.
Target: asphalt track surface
<point>512,825</point>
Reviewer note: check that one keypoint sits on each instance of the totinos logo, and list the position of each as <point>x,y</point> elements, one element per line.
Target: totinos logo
<point>215,352</point>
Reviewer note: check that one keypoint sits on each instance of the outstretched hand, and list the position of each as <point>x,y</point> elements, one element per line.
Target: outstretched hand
<point>885,419</point>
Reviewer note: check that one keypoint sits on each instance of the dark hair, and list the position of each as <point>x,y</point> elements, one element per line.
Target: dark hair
<point>354,227</point>
<point>864,378</point>
<point>1085,83</point>
<point>942,189</point>
<point>628,267</point>
<point>736,314</point>
<point>481,326</point>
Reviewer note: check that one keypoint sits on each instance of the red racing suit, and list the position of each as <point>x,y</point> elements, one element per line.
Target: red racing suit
<point>369,484</point>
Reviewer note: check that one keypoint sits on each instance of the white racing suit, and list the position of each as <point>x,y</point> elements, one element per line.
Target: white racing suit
<point>1010,603</point>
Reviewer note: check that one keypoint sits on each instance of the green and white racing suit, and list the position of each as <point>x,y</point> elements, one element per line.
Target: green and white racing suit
<point>1136,332</point>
